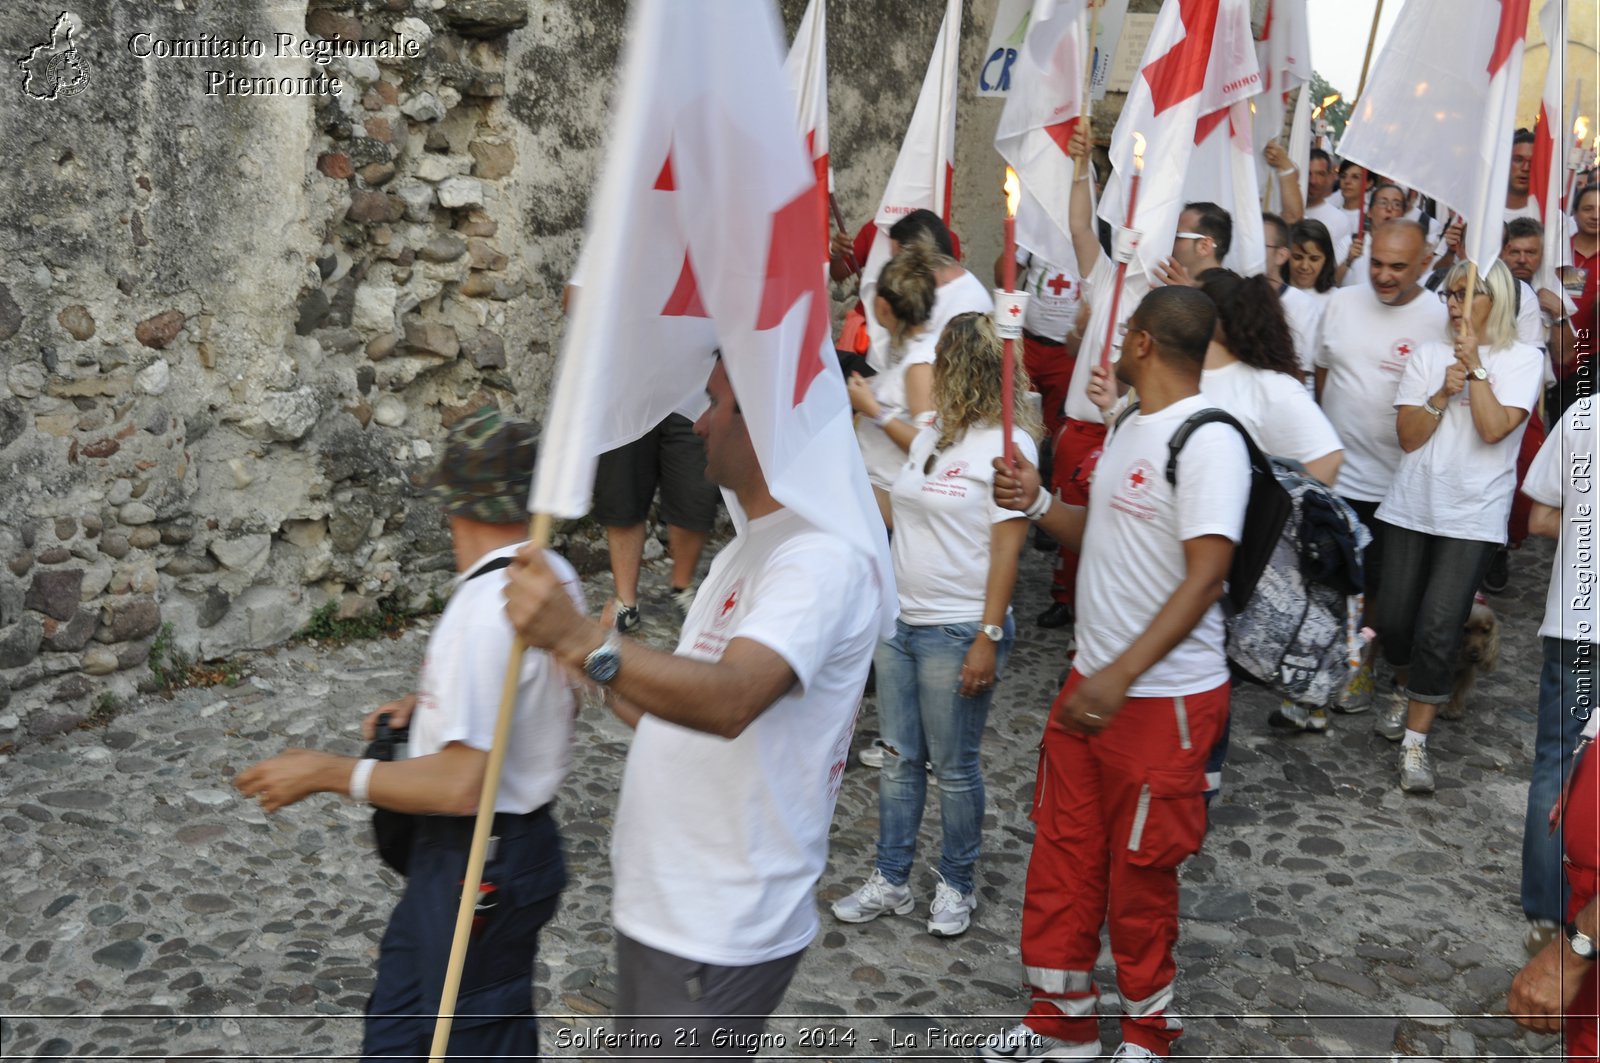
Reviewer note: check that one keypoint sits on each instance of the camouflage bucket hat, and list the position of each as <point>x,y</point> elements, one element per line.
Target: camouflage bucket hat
<point>487,468</point>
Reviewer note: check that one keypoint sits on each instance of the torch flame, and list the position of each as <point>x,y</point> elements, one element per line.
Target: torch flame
<point>1580,128</point>
<point>1138,152</point>
<point>1013,188</point>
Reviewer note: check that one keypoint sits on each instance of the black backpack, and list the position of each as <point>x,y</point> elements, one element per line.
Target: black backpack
<point>1294,589</point>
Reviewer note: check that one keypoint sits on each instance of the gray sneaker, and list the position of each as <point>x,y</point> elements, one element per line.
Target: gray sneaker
<point>877,896</point>
<point>1416,770</point>
<point>1390,721</point>
<point>951,911</point>
<point>683,598</point>
<point>1292,716</point>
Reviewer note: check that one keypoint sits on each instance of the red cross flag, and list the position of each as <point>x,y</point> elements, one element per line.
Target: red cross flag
<point>706,232</point>
<point>1201,59</point>
<point>1441,106</point>
<point>1223,171</point>
<point>806,70</point>
<point>1041,112</point>
<point>1284,55</point>
<point>1549,156</point>
<point>925,167</point>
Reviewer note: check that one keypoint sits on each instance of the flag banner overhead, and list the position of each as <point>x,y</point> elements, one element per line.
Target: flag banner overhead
<point>705,233</point>
<point>1041,113</point>
<point>806,70</point>
<point>1547,181</point>
<point>1440,109</point>
<point>1200,60</point>
<point>923,171</point>
<point>1223,171</point>
<point>1284,55</point>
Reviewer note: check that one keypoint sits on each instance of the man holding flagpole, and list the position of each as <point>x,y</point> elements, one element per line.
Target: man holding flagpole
<point>706,234</point>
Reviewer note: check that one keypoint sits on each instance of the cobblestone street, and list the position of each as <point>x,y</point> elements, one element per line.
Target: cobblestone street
<point>148,911</point>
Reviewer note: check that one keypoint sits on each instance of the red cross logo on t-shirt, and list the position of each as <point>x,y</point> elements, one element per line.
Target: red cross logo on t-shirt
<point>730,601</point>
<point>1059,284</point>
<point>1404,347</point>
<point>1136,478</point>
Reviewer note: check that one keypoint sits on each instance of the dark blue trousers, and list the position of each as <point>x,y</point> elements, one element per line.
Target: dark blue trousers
<point>494,1011</point>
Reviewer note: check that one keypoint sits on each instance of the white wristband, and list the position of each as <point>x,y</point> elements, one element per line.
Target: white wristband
<point>883,418</point>
<point>360,779</point>
<point>1286,173</point>
<point>1040,506</point>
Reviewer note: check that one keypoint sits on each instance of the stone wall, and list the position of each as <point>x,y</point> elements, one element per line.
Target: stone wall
<point>233,329</point>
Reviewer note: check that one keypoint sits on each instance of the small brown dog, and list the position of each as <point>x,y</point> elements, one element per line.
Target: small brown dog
<point>1480,652</point>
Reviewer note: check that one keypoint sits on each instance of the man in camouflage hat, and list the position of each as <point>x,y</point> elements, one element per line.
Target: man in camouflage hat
<point>482,482</point>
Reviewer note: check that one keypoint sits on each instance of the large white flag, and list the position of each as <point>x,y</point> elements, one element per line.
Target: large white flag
<point>705,233</point>
<point>925,168</point>
<point>1441,106</point>
<point>1546,183</point>
<point>1201,58</point>
<point>1223,171</point>
<point>806,70</point>
<point>1284,55</point>
<point>1041,112</point>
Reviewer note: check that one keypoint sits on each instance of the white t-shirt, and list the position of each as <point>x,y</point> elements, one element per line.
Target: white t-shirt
<point>1340,231</point>
<point>1304,310</point>
<point>1563,476</point>
<point>1365,346</point>
<point>458,691</point>
<point>1054,293</point>
<point>963,295</point>
<point>1133,544</point>
<point>1360,271</point>
<point>1274,408</point>
<point>941,524</point>
<point>1455,484</point>
<point>1101,284</point>
<point>719,843</point>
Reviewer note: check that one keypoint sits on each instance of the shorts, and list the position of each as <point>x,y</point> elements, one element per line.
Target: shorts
<point>669,456</point>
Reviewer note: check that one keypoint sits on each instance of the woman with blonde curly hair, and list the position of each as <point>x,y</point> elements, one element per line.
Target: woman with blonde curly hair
<point>955,563</point>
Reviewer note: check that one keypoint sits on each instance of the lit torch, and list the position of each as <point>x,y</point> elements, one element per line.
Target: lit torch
<point>1008,274</point>
<point>1124,253</point>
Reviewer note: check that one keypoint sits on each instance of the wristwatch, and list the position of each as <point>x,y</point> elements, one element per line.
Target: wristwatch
<point>993,632</point>
<point>605,660</point>
<point>1479,373</point>
<point>1580,943</point>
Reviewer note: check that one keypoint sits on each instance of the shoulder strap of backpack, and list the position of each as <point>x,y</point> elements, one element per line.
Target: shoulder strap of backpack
<point>492,566</point>
<point>1258,460</point>
<point>1133,408</point>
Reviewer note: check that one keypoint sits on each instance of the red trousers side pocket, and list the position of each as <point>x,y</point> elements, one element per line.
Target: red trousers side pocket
<point>1169,821</point>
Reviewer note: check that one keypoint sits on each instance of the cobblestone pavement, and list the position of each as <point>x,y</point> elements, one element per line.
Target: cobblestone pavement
<point>148,911</point>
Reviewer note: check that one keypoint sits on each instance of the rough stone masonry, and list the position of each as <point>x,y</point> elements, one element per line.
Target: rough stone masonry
<point>233,328</point>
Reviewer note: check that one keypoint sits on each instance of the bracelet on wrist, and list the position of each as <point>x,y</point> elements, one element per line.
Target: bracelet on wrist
<point>882,418</point>
<point>1431,408</point>
<point>1285,173</point>
<point>1040,505</point>
<point>361,779</point>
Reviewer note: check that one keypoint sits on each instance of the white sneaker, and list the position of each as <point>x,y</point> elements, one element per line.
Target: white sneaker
<point>683,599</point>
<point>1416,770</point>
<point>1021,1045</point>
<point>951,911</point>
<point>872,756</point>
<point>1292,716</point>
<point>1127,1051</point>
<point>1391,719</point>
<point>876,896</point>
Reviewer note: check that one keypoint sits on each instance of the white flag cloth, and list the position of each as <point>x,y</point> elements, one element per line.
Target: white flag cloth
<point>704,233</point>
<point>1548,179</point>
<point>1300,139</point>
<point>1041,112</point>
<point>1440,108</point>
<point>1284,55</point>
<point>1223,171</point>
<point>925,168</point>
<point>1201,58</point>
<point>806,70</point>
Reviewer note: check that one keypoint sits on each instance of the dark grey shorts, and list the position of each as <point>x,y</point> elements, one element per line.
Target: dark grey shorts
<point>668,1006</point>
<point>669,456</point>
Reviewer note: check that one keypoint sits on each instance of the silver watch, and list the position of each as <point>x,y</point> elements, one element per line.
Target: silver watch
<point>1479,373</point>
<point>993,632</point>
<point>1580,943</point>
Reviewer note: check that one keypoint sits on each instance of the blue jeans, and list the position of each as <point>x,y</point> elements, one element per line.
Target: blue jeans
<point>923,718</point>
<point>1561,718</point>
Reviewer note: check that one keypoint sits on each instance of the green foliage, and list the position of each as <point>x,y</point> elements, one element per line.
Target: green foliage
<point>1337,114</point>
<point>173,669</point>
<point>105,709</point>
<point>388,622</point>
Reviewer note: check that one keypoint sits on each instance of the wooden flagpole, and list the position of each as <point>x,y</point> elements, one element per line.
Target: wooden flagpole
<point>539,538</point>
<point>1366,61</point>
<point>1092,51</point>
